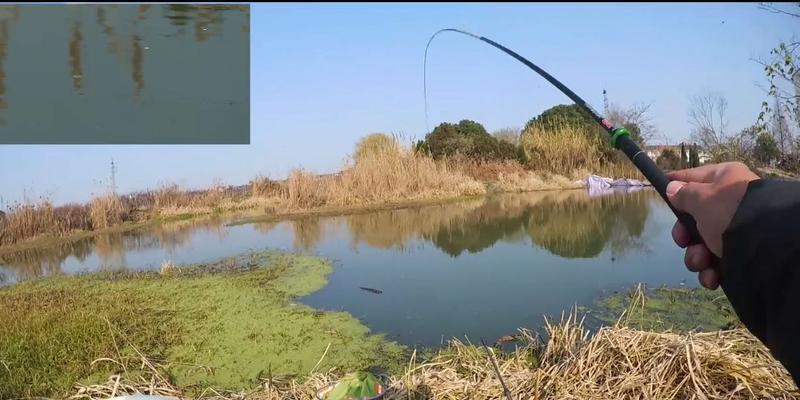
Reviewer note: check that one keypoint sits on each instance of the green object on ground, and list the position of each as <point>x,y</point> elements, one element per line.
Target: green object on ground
<point>355,386</point>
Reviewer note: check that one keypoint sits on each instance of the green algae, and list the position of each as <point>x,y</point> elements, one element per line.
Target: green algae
<point>677,309</point>
<point>221,325</point>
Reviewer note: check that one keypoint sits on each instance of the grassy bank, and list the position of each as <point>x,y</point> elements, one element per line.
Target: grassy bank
<point>616,361</point>
<point>396,178</point>
<point>222,325</point>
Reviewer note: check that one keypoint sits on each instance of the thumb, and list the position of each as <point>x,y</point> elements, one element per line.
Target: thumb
<point>686,196</point>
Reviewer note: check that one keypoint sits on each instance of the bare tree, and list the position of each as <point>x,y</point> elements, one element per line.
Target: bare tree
<point>510,135</point>
<point>635,118</point>
<point>709,120</point>
<point>780,129</point>
<point>785,9</point>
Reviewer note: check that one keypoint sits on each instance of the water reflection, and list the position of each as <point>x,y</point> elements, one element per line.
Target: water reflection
<point>112,50</point>
<point>109,250</point>
<point>568,224</point>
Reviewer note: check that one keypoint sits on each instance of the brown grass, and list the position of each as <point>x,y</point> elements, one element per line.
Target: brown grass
<point>107,211</point>
<point>565,149</point>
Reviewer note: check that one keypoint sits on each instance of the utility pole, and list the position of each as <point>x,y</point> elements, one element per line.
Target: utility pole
<point>605,103</point>
<point>113,177</point>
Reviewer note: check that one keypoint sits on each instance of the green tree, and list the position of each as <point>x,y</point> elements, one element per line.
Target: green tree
<point>694,156</point>
<point>467,138</point>
<point>766,149</point>
<point>684,159</point>
<point>668,159</point>
<point>562,114</point>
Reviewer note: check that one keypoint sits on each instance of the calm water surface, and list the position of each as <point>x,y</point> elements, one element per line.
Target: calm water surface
<point>480,268</point>
<point>124,73</point>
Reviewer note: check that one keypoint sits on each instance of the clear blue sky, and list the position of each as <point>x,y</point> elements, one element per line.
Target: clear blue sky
<point>323,75</point>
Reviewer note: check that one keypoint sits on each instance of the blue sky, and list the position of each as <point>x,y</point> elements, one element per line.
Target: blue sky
<point>323,75</point>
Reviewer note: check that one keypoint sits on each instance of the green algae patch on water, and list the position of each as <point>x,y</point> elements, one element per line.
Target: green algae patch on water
<point>661,309</point>
<point>221,325</point>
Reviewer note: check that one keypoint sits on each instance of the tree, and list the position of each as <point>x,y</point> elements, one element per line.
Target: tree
<point>782,70</point>
<point>375,145</point>
<point>510,135</point>
<point>636,119</point>
<point>668,159</point>
<point>694,156</point>
<point>766,150</point>
<point>563,115</point>
<point>684,162</point>
<point>467,138</point>
<point>709,121</point>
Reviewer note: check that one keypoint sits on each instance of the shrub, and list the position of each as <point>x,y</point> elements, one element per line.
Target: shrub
<point>467,138</point>
<point>375,145</point>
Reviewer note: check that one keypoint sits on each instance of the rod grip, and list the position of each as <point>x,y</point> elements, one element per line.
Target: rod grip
<point>659,180</point>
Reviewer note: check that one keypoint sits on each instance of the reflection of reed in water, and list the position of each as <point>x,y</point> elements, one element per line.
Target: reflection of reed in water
<point>75,59</point>
<point>110,249</point>
<point>265,227</point>
<point>577,226</point>
<point>307,233</point>
<point>36,262</point>
<point>136,60</point>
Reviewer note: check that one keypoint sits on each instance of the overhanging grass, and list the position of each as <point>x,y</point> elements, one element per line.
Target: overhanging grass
<point>219,325</point>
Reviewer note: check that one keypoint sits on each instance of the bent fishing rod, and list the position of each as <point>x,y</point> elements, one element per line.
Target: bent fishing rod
<point>620,137</point>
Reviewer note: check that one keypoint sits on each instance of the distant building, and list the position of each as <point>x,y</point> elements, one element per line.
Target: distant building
<point>654,151</point>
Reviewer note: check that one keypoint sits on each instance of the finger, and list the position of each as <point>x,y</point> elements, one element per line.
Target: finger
<point>704,174</point>
<point>687,196</point>
<point>698,258</point>
<point>680,235</point>
<point>709,278</point>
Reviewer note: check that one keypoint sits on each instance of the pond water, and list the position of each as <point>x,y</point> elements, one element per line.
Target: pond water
<point>480,267</point>
<point>124,73</point>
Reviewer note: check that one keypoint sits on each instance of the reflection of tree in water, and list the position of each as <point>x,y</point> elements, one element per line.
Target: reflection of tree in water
<point>396,228</point>
<point>206,19</point>
<point>481,229</point>
<point>8,15</point>
<point>580,227</point>
<point>75,61</point>
<point>136,60</point>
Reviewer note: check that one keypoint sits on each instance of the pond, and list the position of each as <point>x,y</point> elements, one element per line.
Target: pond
<point>479,268</point>
<point>124,73</point>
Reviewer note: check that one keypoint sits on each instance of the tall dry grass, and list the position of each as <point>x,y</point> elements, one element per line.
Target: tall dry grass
<point>565,149</point>
<point>106,211</point>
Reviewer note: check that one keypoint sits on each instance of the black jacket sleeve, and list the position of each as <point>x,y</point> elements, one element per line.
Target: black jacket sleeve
<point>761,267</point>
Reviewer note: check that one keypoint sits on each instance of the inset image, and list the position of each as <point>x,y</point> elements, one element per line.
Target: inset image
<point>125,74</point>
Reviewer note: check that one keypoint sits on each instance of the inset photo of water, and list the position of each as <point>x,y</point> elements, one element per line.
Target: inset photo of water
<point>125,74</point>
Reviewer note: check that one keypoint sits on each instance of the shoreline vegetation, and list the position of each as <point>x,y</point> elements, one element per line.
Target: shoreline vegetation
<point>453,162</point>
<point>235,332</point>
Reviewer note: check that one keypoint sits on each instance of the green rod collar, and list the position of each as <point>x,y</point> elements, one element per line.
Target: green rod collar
<point>617,134</point>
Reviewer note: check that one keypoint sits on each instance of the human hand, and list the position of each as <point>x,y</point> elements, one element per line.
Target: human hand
<point>711,194</point>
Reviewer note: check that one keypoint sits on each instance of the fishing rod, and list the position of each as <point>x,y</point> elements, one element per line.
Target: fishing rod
<point>620,137</point>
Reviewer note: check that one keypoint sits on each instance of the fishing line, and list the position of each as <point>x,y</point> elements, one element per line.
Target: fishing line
<point>620,137</point>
